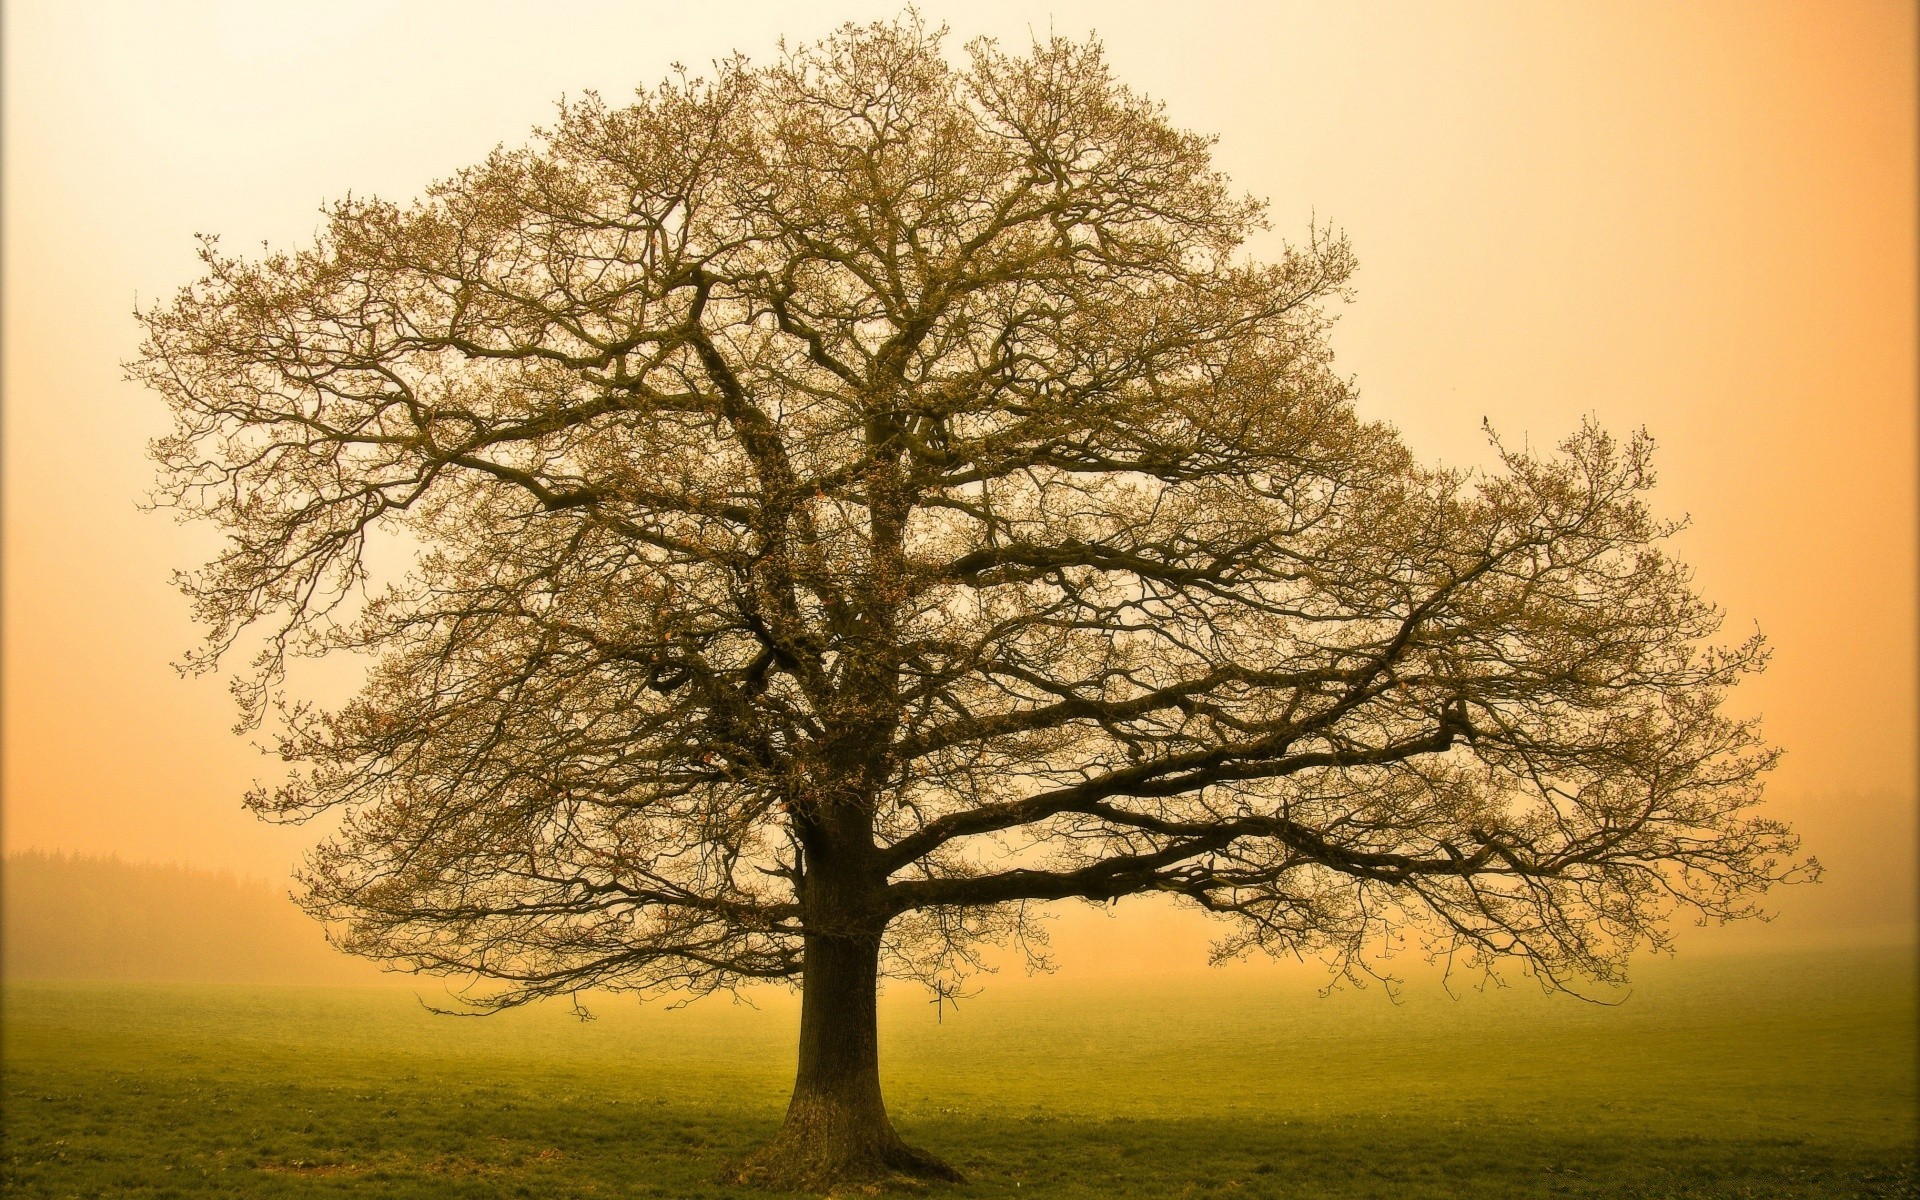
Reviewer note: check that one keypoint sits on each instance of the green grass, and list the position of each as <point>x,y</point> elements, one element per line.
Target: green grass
<point>1787,1076</point>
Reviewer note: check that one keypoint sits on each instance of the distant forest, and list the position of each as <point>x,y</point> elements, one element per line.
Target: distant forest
<point>68,916</point>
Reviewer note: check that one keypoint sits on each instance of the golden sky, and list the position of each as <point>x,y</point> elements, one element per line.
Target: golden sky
<point>1698,218</point>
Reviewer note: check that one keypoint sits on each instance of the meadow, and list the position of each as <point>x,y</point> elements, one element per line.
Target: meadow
<point>1785,1075</point>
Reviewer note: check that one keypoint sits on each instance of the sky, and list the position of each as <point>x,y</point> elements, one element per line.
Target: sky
<point>1698,219</point>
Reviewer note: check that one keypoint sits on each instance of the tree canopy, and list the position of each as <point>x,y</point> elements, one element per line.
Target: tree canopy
<point>853,499</point>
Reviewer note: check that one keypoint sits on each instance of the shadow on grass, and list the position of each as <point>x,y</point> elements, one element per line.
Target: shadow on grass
<point>141,1136</point>
<point>1398,1156</point>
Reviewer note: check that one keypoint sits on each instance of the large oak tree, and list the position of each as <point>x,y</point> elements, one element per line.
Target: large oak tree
<point>852,500</point>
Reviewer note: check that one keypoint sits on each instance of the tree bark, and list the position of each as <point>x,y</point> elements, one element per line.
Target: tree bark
<point>836,1131</point>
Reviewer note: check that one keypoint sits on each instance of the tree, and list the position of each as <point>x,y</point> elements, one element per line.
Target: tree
<point>852,501</point>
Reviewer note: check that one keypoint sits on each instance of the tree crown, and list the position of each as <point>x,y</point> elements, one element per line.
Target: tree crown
<point>869,492</point>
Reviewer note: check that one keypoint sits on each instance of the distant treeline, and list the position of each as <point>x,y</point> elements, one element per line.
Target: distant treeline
<point>67,916</point>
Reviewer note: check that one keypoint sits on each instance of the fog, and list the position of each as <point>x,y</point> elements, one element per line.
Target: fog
<point>1698,219</point>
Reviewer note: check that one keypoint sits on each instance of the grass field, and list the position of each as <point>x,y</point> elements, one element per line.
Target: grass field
<point>1784,1076</point>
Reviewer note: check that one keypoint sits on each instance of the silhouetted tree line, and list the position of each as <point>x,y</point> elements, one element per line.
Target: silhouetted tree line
<point>71,916</point>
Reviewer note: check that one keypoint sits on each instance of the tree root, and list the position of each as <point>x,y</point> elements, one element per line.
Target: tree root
<point>784,1165</point>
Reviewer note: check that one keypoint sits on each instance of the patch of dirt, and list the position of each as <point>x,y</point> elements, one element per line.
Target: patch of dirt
<point>301,1166</point>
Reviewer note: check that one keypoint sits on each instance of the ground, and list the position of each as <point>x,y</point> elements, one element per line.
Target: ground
<point>1774,1076</point>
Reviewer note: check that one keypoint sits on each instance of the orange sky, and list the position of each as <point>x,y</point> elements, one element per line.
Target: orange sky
<point>1699,218</point>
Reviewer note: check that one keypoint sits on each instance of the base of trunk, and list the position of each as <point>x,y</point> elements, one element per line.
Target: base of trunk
<point>819,1150</point>
<point>794,1169</point>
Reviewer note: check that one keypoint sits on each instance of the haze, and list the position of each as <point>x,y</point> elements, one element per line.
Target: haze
<point>1698,219</point>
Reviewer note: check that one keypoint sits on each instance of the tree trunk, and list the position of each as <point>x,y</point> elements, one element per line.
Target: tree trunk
<point>837,1131</point>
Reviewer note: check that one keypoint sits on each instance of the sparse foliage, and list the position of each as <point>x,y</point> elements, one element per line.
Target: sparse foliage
<point>862,497</point>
